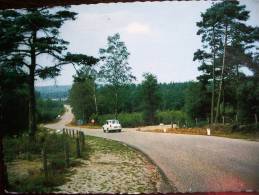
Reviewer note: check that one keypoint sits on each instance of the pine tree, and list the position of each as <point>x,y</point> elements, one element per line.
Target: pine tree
<point>36,33</point>
<point>223,29</point>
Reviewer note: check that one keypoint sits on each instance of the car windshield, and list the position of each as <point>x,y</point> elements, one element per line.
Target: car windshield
<point>113,121</point>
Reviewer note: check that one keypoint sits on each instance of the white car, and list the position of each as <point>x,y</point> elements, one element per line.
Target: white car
<point>112,125</point>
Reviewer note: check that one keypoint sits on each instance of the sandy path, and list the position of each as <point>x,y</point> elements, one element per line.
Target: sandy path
<point>110,173</point>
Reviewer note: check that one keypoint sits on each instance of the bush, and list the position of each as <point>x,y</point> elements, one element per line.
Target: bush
<point>172,116</point>
<point>57,164</point>
<point>136,119</point>
<point>126,119</point>
<point>20,148</point>
<point>48,110</point>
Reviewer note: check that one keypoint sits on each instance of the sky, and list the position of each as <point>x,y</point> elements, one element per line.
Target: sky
<point>160,36</point>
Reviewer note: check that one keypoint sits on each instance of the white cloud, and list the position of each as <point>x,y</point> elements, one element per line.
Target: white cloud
<point>137,28</point>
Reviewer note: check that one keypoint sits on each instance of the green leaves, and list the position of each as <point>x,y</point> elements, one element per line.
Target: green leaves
<point>151,98</point>
<point>114,68</point>
<point>80,59</point>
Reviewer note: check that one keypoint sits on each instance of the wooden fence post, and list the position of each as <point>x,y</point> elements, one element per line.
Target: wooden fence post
<point>6,182</point>
<point>83,140</point>
<point>256,119</point>
<point>78,152</point>
<point>73,133</point>
<point>196,121</point>
<point>44,162</point>
<point>223,120</point>
<point>66,149</point>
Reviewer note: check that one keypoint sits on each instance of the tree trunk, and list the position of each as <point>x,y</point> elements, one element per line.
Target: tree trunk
<point>222,76</point>
<point>213,81</point>
<point>116,103</point>
<point>223,99</point>
<point>237,96</point>
<point>95,99</point>
<point>3,169</point>
<point>32,101</point>
<point>44,161</point>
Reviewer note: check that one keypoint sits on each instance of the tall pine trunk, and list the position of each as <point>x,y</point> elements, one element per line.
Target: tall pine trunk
<point>116,103</point>
<point>213,81</point>
<point>237,96</point>
<point>95,99</point>
<point>32,100</point>
<point>222,75</point>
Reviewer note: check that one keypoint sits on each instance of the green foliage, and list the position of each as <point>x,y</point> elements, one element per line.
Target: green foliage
<point>48,110</point>
<point>168,117</point>
<point>197,101</point>
<point>249,100</point>
<point>228,44</point>
<point>82,100</point>
<point>151,97</point>
<point>35,32</point>
<point>18,148</point>
<point>37,183</point>
<point>172,95</point>
<point>114,69</point>
<point>126,119</point>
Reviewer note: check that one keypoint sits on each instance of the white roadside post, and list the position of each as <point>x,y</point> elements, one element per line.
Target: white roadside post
<point>208,131</point>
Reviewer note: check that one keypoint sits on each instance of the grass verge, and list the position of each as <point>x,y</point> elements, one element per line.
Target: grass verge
<point>251,135</point>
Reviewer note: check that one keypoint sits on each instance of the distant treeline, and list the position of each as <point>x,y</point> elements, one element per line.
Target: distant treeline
<point>130,97</point>
<point>54,92</point>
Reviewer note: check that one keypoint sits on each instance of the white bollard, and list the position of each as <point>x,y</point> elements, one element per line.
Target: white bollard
<point>208,131</point>
<point>164,130</point>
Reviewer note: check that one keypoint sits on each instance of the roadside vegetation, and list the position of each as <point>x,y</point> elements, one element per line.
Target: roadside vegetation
<point>29,171</point>
<point>48,110</point>
<point>25,162</point>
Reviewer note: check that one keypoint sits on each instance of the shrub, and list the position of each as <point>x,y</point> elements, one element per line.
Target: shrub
<point>136,119</point>
<point>126,119</point>
<point>57,164</point>
<point>48,110</point>
<point>172,116</point>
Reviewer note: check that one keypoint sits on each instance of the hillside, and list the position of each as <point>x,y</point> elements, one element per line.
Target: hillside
<point>54,92</point>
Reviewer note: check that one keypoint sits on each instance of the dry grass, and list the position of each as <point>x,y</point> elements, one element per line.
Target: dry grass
<point>87,126</point>
<point>252,135</point>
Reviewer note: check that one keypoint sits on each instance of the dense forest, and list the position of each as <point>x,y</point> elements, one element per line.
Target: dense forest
<point>223,92</point>
<point>105,87</point>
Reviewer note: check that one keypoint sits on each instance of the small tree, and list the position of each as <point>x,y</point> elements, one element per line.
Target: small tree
<point>151,99</point>
<point>81,99</point>
<point>91,74</point>
<point>114,69</point>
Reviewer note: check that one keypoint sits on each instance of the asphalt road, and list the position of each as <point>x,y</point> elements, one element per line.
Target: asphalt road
<point>192,162</point>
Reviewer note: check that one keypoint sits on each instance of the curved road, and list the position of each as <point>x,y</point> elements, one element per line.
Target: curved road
<point>192,162</point>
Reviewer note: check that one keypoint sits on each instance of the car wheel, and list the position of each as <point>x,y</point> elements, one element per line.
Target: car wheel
<point>103,130</point>
<point>120,130</point>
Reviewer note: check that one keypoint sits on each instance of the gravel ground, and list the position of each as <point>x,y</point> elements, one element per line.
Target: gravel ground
<point>193,162</point>
<point>113,173</point>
